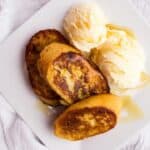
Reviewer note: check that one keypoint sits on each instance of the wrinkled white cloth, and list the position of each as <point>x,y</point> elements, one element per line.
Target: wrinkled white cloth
<point>15,12</point>
<point>14,133</point>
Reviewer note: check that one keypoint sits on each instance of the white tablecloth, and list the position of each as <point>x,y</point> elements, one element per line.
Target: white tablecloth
<point>14,134</point>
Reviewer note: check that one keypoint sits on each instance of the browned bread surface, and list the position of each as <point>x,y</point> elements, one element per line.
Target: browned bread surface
<point>33,49</point>
<point>94,115</point>
<point>69,73</point>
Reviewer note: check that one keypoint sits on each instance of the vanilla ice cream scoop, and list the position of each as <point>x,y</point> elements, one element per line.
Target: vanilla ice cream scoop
<point>120,58</point>
<point>84,25</point>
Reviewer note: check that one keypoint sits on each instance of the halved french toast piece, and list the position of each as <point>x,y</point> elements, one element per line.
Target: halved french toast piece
<point>69,73</point>
<point>33,49</point>
<point>91,116</point>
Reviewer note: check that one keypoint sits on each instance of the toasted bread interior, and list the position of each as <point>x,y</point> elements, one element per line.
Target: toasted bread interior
<point>94,115</point>
<point>69,73</point>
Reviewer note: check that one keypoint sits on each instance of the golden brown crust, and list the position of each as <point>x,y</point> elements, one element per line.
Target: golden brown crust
<point>79,124</point>
<point>33,49</point>
<point>69,73</point>
<point>94,115</point>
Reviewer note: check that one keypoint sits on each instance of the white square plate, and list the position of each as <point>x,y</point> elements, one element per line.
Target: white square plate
<point>16,88</point>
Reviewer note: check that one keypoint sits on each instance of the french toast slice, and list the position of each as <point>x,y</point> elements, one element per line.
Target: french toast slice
<point>69,73</point>
<point>88,117</point>
<point>33,49</point>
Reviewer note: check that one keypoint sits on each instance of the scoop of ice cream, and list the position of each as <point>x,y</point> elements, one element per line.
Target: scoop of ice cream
<point>84,25</point>
<point>120,58</point>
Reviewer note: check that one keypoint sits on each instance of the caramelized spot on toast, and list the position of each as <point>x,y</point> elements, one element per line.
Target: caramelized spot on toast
<point>76,78</point>
<point>91,116</point>
<point>86,122</point>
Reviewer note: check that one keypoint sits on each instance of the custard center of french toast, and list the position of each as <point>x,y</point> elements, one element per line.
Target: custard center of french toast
<point>73,75</point>
<point>88,121</point>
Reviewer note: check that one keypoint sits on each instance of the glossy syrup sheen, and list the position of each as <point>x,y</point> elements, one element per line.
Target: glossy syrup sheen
<point>130,111</point>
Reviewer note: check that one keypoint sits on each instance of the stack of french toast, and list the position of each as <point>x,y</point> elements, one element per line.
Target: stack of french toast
<point>60,74</point>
